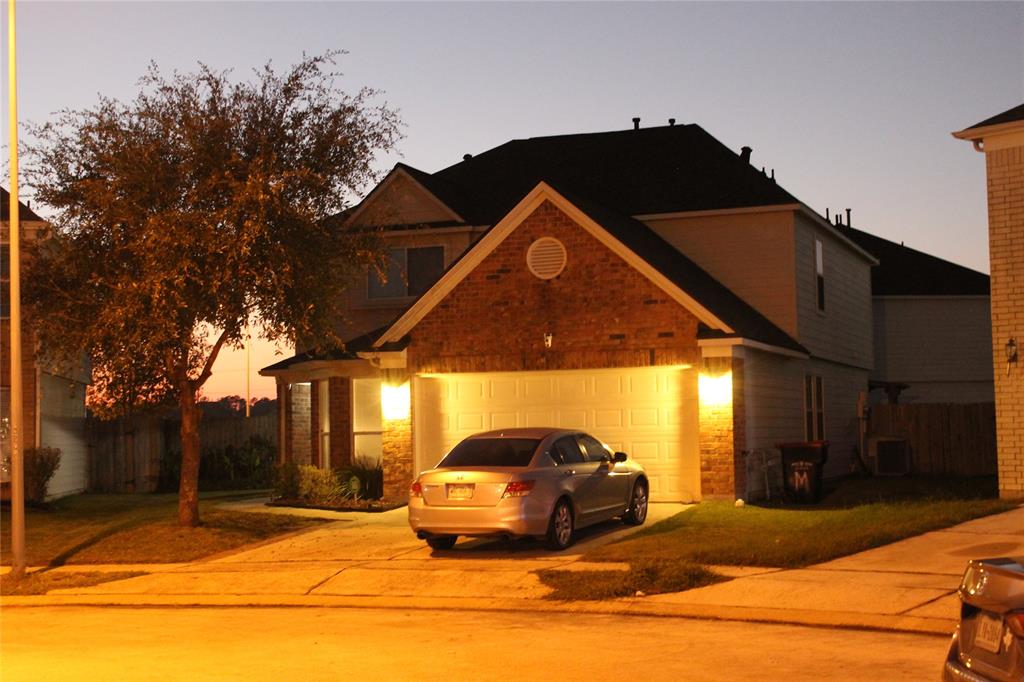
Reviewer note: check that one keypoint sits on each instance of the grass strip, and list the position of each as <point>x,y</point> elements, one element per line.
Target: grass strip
<point>41,582</point>
<point>647,576</point>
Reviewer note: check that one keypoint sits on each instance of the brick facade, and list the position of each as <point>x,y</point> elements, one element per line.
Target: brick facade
<point>340,414</point>
<point>315,433</point>
<point>600,311</point>
<point>298,424</point>
<point>1005,168</point>
<point>723,434</point>
<point>397,458</point>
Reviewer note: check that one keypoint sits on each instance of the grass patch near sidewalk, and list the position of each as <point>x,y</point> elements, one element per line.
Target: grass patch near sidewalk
<point>41,582</point>
<point>117,529</point>
<point>649,576</point>
<point>858,514</point>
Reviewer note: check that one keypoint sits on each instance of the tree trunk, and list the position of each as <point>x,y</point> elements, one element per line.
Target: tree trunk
<point>188,492</point>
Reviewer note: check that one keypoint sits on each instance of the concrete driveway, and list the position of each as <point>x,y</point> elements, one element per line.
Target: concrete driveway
<point>360,554</point>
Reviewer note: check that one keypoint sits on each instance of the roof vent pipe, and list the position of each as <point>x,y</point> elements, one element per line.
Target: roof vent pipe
<point>671,121</point>
<point>828,218</point>
<point>745,153</point>
<point>467,157</point>
<point>636,123</point>
<point>848,211</point>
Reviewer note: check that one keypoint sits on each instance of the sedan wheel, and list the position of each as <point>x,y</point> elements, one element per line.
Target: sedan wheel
<point>560,527</point>
<point>442,541</point>
<point>637,512</point>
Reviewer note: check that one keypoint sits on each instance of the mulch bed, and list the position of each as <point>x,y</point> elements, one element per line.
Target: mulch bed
<point>372,506</point>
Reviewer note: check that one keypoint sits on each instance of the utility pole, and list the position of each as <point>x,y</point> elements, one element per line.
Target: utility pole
<point>17,405</point>
<point>248,369</point>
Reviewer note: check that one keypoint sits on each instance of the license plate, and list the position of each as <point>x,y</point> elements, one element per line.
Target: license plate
<point>989,633</point>
<point>460,491</point>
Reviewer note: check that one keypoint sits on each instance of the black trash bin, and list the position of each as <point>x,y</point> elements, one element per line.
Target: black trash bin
<point>802,465</point>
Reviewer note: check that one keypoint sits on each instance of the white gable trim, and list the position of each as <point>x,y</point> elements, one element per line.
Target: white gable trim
<point>490,241</point>
<point>376,191</point>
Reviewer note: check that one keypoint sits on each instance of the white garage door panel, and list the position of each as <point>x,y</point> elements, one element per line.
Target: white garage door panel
<point>650,413</point>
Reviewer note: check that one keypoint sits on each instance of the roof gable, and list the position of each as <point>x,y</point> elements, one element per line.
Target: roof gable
<point>403,199</point>
<point>662,264</point>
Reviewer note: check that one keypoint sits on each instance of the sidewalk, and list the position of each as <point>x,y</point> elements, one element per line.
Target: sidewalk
<point>908,586</point>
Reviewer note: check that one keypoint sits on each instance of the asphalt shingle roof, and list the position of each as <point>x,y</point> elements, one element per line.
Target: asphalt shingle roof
<point>651,170</point>
<point>903,271</point>
<point>24,212</point>
<point>1008,116</point>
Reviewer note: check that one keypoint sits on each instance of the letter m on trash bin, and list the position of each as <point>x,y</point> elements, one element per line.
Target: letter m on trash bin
<point>801,480</point>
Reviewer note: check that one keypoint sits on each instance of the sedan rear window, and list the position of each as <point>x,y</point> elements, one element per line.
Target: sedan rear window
<point>491,452</point>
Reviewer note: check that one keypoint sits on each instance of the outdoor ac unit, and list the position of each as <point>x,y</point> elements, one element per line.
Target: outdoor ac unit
<point>891,456</point>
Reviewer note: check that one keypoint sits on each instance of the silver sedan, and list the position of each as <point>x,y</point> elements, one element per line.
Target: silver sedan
<point>540,482</point>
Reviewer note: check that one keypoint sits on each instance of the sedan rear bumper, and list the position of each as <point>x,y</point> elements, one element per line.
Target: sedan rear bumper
<point>511,516</point>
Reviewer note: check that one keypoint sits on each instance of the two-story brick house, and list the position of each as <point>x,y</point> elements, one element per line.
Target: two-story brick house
<point>54,397</point>
<point>649,285</point>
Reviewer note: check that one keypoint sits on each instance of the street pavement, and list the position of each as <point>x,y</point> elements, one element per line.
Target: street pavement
<point>373,560</point>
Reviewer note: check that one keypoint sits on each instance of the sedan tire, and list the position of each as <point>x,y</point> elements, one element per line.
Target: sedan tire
<point>442,541</point>
<point>637,512</point>
<point>560,527</point>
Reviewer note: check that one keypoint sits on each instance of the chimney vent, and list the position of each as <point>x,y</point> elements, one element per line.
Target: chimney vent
<point>745,153</point>
<point>848,211</point>
<point>467,157</point>
<point>636,123</point>
<point>671,121</point>
<point>828,218</point>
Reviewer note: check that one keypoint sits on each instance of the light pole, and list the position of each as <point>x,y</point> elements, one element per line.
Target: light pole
<point>17,411</point>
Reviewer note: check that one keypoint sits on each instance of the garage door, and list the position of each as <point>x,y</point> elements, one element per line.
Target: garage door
<point>649,413</point>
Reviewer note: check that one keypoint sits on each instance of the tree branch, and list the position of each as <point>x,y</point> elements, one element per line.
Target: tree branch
<point>208,366</point>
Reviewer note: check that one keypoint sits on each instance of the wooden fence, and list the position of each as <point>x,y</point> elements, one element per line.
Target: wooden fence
<point>955,439</point>
<point>125,455</point>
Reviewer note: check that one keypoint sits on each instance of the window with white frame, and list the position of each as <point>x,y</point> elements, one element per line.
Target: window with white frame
<point>409,272</point>
<point>814,408</point>
<point>819,273</point>
<point>367,421</point>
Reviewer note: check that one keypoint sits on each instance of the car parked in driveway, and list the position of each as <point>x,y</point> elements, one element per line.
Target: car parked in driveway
<point>988,644</point>
<point>541,482</point>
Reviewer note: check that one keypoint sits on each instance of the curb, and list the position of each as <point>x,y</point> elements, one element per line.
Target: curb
<point>623,607</point>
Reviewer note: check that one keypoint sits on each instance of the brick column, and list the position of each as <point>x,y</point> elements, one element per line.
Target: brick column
<point>397,458</point>
<point>299,442</point>
<point>722,428</point>
<point>315,434</point>
<point>340,394</point>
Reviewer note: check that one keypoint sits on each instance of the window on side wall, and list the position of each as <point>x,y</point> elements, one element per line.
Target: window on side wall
<point>819,272</point>
<point>409,272</point>
<point>814,408</point>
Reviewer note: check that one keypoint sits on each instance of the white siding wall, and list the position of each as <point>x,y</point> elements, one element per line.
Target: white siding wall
<point>842,332</point>
<point>751,253</point>
<point>940,345</point>
<point>774,396</point>
<point>62,425</point>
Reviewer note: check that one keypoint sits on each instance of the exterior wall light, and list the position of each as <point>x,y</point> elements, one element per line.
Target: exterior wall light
<point>715,390</point>
<point>394,401</point>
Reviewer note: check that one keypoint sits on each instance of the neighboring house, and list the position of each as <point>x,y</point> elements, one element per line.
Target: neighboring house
<point>1001,138</point>
<point>932,327</point>
<point>54,399</point>
<point>650,286</point>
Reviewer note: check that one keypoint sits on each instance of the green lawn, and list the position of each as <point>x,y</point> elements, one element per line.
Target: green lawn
<point>859,515</point>
<point>114,529</point>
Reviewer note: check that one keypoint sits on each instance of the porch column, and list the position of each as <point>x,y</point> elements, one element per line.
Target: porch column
<point>722,427</point>
<point>396,439</point>
<point>339,391</point>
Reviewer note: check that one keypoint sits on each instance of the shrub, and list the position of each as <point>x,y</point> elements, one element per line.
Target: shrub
<point>248,466</point>
<point>40,466</point>
<point>319,486</point>
<point>286,481</point>
<point>370,477</point>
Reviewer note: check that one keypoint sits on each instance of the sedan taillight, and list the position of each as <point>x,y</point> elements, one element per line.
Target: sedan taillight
<point>415,490</point>
<point>1015,621</point>
<point>518,489</point>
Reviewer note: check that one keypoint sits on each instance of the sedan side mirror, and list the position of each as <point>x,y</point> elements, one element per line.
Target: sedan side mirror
<point>620,457</point>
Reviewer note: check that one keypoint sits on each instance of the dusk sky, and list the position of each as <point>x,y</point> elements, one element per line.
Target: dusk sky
<point>850,103</point>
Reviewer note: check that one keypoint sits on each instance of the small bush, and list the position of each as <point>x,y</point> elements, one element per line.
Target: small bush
<point>286,481</point>
<point>363,479</point>
<point>319,486</point>
<point>40,466</point>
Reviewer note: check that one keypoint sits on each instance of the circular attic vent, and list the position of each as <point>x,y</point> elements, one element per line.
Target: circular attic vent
<point>546,258</point>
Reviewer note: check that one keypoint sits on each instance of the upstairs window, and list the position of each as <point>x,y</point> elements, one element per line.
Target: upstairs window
<point>819,271</point>
<point>814,408</point>
<point>409,272</point>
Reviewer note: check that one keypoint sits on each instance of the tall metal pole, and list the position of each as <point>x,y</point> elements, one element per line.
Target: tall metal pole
<point>248,369</point>
<point>17,406</point>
